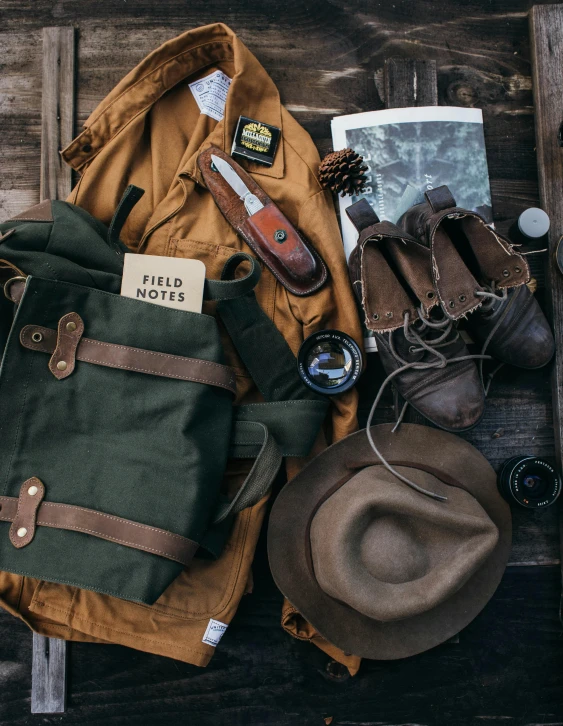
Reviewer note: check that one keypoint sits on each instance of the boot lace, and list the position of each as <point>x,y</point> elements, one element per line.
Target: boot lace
<point>417,332</point>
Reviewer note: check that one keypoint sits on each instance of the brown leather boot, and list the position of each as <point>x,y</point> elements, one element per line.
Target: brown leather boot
<point>420,349</point>
<point>508,323</point>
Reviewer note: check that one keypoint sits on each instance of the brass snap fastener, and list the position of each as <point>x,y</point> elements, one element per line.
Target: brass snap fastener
<point>506,273</point>
<point>22,531</point>
<point>280,235</point>
<point>37,337</point>
<point>71,327</point>
<point>61,365</point>
<point>32,491</point>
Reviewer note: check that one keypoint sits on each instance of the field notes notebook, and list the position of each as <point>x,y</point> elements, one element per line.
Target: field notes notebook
<point>169,281</point>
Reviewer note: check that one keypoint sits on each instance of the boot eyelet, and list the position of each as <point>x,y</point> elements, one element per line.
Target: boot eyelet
<point>452,304</point>
<point>506,273</point>
<point>412,349</point>
<point>375,316</point>
<point>36,337</point>
<point>389,314</point>
<point>462,298</point>
<point>518,270</point>
<point>430,295</point>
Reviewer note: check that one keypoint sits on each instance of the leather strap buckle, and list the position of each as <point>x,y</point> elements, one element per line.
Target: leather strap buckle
<point>23,526</point>
<point>69,332</point>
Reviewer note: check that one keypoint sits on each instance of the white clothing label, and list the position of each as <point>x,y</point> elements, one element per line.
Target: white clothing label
<point>214,632</point>
<point>210,94</point>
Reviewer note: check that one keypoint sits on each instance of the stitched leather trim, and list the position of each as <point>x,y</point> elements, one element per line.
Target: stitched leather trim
<point>69,332</point>
<point>42,212</point>
<point>105,526</point>
<point>135,359</point>
<point>31,495</point>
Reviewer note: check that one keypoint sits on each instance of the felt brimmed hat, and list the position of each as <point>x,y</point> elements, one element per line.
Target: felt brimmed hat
<point>379,569</point>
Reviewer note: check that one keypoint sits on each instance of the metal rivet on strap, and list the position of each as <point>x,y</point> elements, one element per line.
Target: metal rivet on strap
<point>375,316</point>
<point>430,295</point>
<point>506,273</point>
<point>22,531</point>
<point>36,337</point>
<point>61,365</point>
<point>71,327</point>
<point>518,269</point>
<point>462,298</point>
<point>389,314</point>
<point>452,304</point>
<point>32,491</point>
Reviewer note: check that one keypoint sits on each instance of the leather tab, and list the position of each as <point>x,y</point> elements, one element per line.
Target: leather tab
<point>63,360</point>
<point>14,289</point>
<point>42,212</point>
<point>361,215</point>
<point>22,531</point>
<point>440,198</point>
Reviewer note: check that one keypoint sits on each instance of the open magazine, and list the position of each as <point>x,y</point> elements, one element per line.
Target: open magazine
<point>410,150</point>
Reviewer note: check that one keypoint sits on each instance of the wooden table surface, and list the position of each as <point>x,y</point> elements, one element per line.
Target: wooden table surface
<point>326,59</point>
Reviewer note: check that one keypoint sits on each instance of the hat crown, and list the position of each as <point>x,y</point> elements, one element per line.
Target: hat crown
<point>391,553</point>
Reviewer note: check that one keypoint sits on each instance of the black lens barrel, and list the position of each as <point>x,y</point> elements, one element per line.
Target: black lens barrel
<point>530,482</point>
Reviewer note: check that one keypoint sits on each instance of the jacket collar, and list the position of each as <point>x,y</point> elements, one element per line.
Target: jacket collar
<point>252,93</point>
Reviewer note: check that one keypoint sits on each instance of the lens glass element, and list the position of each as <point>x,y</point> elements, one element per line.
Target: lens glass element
<point>329,364</point>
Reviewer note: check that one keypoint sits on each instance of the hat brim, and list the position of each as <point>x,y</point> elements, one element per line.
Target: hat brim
<point>444,455</point>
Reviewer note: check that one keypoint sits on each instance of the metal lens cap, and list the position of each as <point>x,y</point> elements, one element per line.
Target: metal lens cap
<point>329,362</point>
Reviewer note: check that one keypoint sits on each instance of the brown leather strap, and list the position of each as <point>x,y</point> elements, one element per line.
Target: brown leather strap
<point>361,214</point>
<point>440,198</point>
<point>154,363</point>
<point>98,524</point>
<point>69,332</point>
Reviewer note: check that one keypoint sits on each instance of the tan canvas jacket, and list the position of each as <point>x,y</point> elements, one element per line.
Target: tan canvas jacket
<point>148,132</point>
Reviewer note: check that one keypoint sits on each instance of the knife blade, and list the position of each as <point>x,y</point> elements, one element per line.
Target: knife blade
<point>251,202</point>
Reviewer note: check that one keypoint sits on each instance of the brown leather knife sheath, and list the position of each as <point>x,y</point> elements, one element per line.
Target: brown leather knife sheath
<point>273,238</point>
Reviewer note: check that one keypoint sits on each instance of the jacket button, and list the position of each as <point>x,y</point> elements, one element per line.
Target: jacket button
<point>61,365</point>
<point>22,531</point>
<point>71,327</point>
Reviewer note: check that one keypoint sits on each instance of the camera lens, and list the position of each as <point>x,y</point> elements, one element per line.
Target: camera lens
<point>329,362</point>
<point>531,482</point>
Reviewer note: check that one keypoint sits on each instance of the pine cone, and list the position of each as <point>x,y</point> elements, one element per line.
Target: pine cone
<point>343,172</point>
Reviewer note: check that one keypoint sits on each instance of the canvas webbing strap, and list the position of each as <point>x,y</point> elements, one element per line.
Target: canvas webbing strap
<point>288,422</point>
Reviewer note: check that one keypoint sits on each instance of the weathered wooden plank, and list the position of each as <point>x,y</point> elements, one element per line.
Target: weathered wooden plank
<point>546,32</point>
<point>260,676</point>
<point>57,111</point>
<point>48,676</point>
<point>410,83</point>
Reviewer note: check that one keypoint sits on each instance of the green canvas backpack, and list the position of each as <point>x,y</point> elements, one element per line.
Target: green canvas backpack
<point>117,416</point>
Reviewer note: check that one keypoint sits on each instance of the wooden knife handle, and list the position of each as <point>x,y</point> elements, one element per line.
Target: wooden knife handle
<point>277,238</point>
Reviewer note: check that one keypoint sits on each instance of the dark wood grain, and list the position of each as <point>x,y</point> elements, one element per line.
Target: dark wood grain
<point>57,112</point>
<point>327,58</point>
<point>506,669</point>
<point>410,83</point>
<point>48,675</point>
